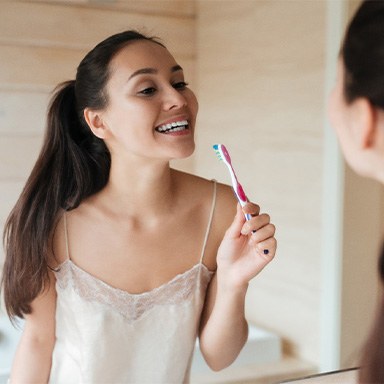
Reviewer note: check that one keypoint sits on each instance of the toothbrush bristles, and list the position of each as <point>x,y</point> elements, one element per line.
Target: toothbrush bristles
<point>217,151</point>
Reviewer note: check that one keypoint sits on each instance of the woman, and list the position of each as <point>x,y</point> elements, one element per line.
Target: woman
<point>357,115</point>
<point>116,261</point>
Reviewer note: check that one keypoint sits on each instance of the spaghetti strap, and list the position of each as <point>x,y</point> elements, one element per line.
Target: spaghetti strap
<point>210,220</point>
<point>66,236</point>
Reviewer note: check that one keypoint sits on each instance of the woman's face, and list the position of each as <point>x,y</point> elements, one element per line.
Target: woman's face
<point>151,112</point>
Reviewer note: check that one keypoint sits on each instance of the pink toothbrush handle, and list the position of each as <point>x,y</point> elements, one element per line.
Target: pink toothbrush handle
<point>241,193</point>
<point>242,199</point>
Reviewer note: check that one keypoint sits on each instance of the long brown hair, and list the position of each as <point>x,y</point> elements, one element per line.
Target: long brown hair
<point>72,165</point>
<point>362,54</point>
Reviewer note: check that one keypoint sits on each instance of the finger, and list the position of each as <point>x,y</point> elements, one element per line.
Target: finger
<point>264,233</point>
<point>267,248</point>
<point>251,209</point>
<point>234,229</point>
<point>266,251</point>
<point>256,223</point>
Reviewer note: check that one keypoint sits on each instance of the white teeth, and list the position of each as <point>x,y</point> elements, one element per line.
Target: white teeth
<point>173,127</point>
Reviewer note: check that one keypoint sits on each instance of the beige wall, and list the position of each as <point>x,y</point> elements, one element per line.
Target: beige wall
<point>261,74</point>
<point>258,68</point>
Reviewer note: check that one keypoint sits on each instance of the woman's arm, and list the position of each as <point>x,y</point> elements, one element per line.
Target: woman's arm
<point>224,328</point>
<point>240,257</point>
<point>32,361</point>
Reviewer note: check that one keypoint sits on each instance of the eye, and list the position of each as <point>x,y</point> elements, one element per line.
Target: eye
<point>147,91</point>
<point>180,85</point>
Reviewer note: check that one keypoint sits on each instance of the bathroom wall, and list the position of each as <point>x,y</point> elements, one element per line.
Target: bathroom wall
<point>259,68</point>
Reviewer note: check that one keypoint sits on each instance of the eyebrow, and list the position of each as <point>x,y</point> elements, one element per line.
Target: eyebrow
<point>144,71</point>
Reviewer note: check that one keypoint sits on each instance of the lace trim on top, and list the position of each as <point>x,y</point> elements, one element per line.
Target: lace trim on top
<point>133,306</point>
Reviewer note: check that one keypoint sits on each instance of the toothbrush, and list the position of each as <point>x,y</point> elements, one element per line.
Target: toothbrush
<point>222,154</point>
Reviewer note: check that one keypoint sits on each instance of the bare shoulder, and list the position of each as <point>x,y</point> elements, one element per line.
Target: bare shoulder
<point>224,213</point>
<point>226,196</point>
<point>191,181</point>
<point>199,186</point>
<point>62,230</point>
<point>225,209</point>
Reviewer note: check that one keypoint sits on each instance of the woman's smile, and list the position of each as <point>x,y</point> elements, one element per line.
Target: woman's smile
<point>174,127</point>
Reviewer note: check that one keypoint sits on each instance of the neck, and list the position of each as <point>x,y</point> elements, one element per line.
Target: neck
<point>146,190</point>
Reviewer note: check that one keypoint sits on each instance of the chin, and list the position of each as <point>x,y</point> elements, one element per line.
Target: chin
<point>183,153</point>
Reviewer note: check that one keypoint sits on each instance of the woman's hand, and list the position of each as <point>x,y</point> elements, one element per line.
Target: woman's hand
<point>247,247</point>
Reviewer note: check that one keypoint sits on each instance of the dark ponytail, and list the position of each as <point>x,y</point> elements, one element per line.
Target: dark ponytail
<point>73,164</point>
<point>80,161</point>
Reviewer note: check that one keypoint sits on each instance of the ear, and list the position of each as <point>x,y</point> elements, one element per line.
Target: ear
<point>365,123</point>
<point>96,123</point>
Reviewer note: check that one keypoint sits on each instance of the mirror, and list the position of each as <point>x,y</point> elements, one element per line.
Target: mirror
<point>261,71</point>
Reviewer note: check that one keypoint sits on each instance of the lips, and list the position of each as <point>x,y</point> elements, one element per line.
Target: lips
<point>175,126</point>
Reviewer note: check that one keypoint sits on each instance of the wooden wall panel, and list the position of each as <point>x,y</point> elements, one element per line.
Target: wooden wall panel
<point>37,68</point>
<point>179,8</point>
<point>30,23</point>
<point>10,190</point>
<point>17,156</point>
<point>22,112</point>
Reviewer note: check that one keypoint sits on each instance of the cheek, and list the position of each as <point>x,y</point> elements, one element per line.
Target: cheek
<point>337,119</point>
<point>193,105</point>
<point>337,113</point>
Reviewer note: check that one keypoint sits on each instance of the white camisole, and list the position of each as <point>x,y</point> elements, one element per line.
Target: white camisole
<point>109,336</point>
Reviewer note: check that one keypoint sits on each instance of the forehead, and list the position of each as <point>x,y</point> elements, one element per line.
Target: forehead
<point>142,54</point>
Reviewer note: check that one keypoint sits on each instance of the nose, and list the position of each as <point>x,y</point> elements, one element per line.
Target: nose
<point>173,99</point>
